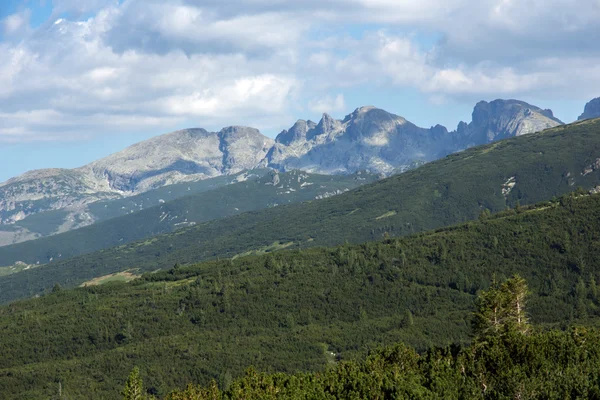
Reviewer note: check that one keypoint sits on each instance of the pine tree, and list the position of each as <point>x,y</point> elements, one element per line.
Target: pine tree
<point>502,308</point>
<point>133,389</point>
<point>489,317</point>
<point>514,292</point>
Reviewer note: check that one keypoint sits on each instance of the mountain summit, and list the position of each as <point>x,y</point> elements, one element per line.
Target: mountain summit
<point>368,139</point>
<point>190,154</point>
<point>501,119</point>
<point>592,110</point>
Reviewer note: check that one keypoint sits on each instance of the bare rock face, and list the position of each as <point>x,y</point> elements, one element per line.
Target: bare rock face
<point>592,110</point>
<point>191,154</point>
<point>368,139</point>
<point>296,133</point>
<point>501,119</point>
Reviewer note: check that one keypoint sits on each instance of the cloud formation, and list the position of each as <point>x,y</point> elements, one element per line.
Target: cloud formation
<point>136,65</point>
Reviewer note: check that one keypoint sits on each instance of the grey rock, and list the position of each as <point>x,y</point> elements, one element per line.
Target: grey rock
<point>592,110</point>
<point>185,155</point>
<point>501,119</point>
<point>296,132</point>
<point>368,139</point>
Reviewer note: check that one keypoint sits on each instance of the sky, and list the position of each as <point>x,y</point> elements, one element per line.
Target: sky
<point>80,79</point>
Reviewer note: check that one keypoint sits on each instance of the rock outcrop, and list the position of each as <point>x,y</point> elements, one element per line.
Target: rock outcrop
<point>592,110</point>
<point>501,119</point>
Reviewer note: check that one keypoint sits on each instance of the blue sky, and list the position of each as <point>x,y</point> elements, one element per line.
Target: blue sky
<point>80,79</point>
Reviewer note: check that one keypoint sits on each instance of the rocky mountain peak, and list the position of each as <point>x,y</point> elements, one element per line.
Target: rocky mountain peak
<point>326,125</point>
<point>242,148</point>
<point>592,110</point>
<point>367,122</point>
<point>236,132</point>
<point>439,130</point>
<point>501,119</point>
<point>296,132</point>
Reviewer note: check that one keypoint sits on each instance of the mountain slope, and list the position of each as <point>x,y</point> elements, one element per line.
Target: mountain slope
<point>50,216</point>
<point>300,310</point>
<point>524,169</point>
<point>182,156</point>
<point>368,139</point>
<point>258,189</point>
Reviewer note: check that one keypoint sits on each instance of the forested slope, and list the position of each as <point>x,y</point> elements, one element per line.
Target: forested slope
<point>507,359</point>
<point>524,170</point>
<point>261,189</point>
<point>300,310</point>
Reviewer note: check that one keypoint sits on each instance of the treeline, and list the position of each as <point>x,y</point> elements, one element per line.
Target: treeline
<point>449,191</point>
<point>300,310</point>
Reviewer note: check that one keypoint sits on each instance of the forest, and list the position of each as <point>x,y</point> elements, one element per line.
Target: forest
<point>302,310</point>
<point>507,358</point>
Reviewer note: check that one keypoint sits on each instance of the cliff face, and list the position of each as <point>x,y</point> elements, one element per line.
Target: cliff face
<point>592,110</point>
<point>501,119</point>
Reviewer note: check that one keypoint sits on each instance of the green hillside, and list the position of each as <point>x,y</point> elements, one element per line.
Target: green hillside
<point>300,310</point>
<point>49,222</point>
<point>524,170</point>
<point>508,359</point>
<point>293,187</point>
<point>254,192</point>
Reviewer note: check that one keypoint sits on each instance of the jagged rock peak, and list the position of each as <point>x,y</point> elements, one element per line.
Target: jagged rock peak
<point>592,110</point>
<point>501,119</point>
<point>327,124</point>
<point>511,107</point>
<point>296,132</point>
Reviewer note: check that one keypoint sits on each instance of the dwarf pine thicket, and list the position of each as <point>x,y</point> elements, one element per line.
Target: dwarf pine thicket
<point>299,311</point>
<point>507,359</point>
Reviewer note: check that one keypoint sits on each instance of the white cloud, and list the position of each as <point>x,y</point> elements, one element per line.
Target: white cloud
<point>327,104</point>
<point>16,24</point>
<point>264,93</point>
<point>138,65</point>
<point>156,26</point>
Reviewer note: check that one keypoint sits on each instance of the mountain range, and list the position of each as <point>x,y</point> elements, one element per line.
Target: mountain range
<point>369,139</point>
